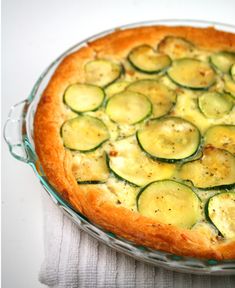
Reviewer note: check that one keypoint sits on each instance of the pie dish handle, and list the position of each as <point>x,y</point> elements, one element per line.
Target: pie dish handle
<point>15,132</point>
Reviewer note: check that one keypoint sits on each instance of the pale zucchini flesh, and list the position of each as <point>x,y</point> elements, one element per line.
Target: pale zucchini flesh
<point>206,228</point>
<point>223,60</point>
<point>214,104</point>
<point>90,168</point>
<point>126,193</point>
<point>232,72</point>
<point>169,139</point>
<point>169,202</point>
<point>128,107</point>
<point>176,47</point>
<point>145,59</point>
<point>83,97</point>
<point>84,133</point>
<point>159,94</point>
<point>115,88</point>
<point>128,162</point>
<point>192,73</point>
<point>221,136</point>
<point>229,86</point>
<point>215,170</point>
<point>102,72</point>
<point>220,210</point>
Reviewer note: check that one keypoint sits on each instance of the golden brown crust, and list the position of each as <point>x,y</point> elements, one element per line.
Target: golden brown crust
<point>94,204</point>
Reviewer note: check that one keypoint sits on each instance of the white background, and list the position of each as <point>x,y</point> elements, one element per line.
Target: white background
<point>34,33</point>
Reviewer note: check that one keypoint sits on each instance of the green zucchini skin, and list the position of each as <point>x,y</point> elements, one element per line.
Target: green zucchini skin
<point>115,88</point>
<point>218,136</point>
<point>229,86</point>
<point>163,99</point>
<point>91,168</point>
<point>100,82</point>
<point>179,182</point>
<point>232,72</point>
<point>226,102</point>
<point>223,67</point>
<point>176,47</point>
<point>90,182</point>
<point>165,182</point>
<point>145,70</point>
<point>167,160</point>
<point>219,187</point>
<point>89,110</point>
<point>207,212</point>
<point>208,218</point>
<point>132,165</point>
<point>213,187</point>
<point>191,86</point>
<point>117,175</point>
<point>87,151</point>
<point>145,100</point>
<point>179,161</point>
<point>122,73</point>
<point>84,150</point>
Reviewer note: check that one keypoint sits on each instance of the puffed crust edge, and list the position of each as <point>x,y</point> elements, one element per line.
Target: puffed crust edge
<point>94,203</point>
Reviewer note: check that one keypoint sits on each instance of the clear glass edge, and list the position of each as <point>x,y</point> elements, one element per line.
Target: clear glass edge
<point>158,258</point>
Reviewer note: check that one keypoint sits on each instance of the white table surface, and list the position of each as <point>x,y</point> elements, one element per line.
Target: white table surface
<point>34,33</point>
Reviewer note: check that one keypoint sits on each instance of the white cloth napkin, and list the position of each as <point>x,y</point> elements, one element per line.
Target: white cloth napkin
<point>75,259</point>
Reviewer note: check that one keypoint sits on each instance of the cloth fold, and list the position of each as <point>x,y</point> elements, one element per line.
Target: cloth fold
<point>74,259</point>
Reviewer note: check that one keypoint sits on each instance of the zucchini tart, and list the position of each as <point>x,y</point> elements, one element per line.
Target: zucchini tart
<point>137,131</point>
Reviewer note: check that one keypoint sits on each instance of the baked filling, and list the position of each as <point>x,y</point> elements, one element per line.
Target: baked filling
<point>155,130</point>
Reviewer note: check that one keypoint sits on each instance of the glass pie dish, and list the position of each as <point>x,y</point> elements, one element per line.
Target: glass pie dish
<point>19,133</point>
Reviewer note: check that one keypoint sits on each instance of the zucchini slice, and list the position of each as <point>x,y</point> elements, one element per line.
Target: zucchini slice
<point>215,170</point>
<point>116,88</point>
<point>145,59</point>
<point>169,139</point>
<point>129,163</point>
<point>125,193</point>
<point>161,97</point>
<point>229,86</point>
<point>128,107</point>
<point>223,60</point>
<point>206,228</point>
<point>83,97</point>
<point>102,72</point>
<point>220,210</point>
<point>169,202</point>
<point>214,104</point>
<point>84,133</point>
<point>232,72</point>
<point>90,168</point>
<point>191,73</point>
<point>176,47</point>
<point>221,136</point>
